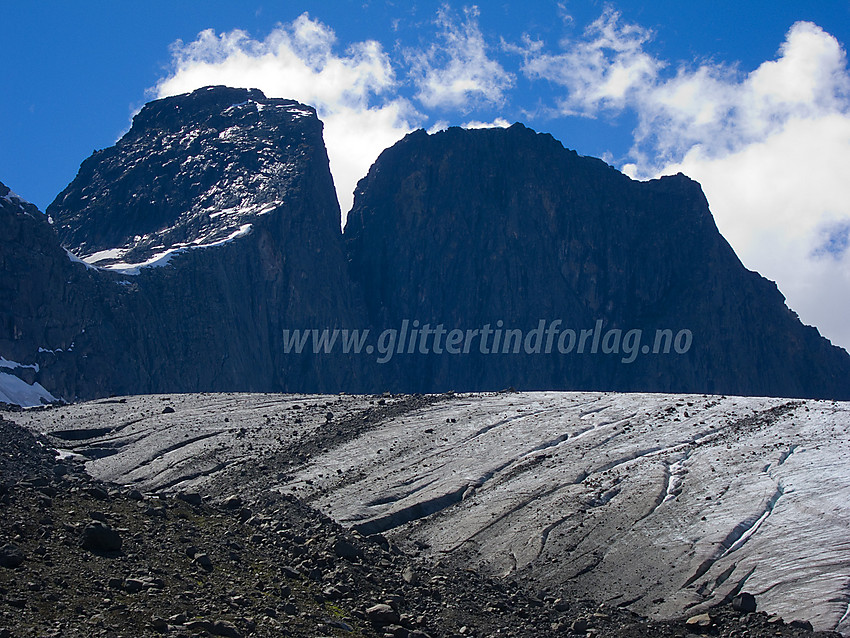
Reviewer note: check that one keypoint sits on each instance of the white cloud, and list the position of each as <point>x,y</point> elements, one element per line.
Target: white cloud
<point>439,125</point>
<point>770,147</point>
<point>723,110</point>
<point>354,92</point>
<point>778,202</point>
<point>499,122</point>
<point>603,69</point>
<point>456,71</point>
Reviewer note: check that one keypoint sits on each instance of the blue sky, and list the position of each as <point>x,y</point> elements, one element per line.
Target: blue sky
<point>751,99</point>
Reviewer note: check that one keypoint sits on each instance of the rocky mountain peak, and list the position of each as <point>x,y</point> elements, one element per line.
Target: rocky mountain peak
<point>194,170</point>
<point>208,103</point>
<point>506,228</point>
<point>523,223</point>
<point>207,229</point>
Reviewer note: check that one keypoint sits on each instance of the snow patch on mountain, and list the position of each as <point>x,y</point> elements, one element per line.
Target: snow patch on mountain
<point>11,365</point>
<point>12,197</point>
<point>73,258</point>
<point>162,258</point>
<point>16,391</point>
<point>16,200</point>
<point>102,255</point>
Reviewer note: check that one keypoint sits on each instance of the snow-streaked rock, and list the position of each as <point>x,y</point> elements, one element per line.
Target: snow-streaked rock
<point>664,503</point>
<point>194,171</point>
<point>191,248</point>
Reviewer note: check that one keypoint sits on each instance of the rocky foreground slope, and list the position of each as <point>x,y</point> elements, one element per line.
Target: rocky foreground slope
<point>660,506</point>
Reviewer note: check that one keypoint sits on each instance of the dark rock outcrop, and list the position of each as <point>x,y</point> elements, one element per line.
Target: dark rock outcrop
<point>506,228</point>
<point>11,556</point>
<point>99,537</point>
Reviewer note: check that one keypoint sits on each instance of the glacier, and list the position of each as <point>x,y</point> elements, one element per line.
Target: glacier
<point>664,504</point>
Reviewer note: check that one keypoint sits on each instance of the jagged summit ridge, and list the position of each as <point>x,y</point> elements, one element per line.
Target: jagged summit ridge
<point>194,170</point>
<point>205,104</point>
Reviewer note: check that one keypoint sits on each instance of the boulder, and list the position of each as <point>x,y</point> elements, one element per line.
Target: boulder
<point>99,537</point>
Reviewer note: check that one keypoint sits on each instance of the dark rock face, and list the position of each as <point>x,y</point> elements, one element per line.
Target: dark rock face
<point>211,228</point>
<point>231,194</point>
<point>470,228</point>
<point>54,315</point>
<point>193,169</point>
<point>32,270</point>
<point>11,556</point>
<point>744,603</point>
